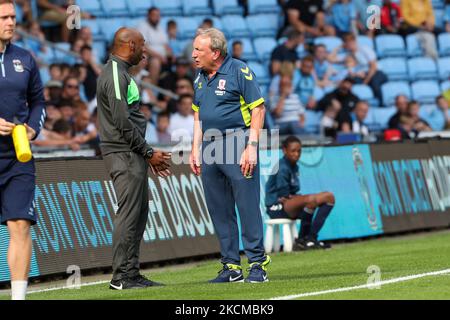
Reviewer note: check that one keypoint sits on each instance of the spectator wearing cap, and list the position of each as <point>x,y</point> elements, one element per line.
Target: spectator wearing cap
<point>53,90</point>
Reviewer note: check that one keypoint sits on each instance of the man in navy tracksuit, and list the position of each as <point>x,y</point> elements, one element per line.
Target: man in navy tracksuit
<point>21,101</point>
<point>228,101</point>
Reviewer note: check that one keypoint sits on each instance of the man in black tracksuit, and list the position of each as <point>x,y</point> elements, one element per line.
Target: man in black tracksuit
<point>127,156</point>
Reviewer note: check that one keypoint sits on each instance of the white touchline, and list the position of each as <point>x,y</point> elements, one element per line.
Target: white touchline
<point>74,287</point>
<point>364,286</point>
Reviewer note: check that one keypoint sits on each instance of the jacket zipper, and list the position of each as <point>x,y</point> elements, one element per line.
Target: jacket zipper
<point>2,57</point>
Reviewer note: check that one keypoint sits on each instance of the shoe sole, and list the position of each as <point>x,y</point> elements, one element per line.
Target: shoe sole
<point>267,280</point>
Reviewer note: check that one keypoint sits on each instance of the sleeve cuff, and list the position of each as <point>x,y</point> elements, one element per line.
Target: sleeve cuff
<point>255,104</point>
<point>195,108</point>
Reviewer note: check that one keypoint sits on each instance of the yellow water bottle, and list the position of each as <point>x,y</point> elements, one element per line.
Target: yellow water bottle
<point>21,143</point>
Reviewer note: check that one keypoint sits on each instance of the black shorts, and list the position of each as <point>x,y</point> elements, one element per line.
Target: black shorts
<point>276,211</point>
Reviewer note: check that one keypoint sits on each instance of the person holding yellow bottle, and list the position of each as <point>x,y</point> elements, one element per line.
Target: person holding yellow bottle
<point>22,115</point>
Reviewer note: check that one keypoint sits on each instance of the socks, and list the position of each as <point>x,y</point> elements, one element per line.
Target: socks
<point>305,225</point>
<point>319,220</point>
<point>18,290</point>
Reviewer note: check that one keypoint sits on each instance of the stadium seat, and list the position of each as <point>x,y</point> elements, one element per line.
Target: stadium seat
<point>45,75</point>
<point>92,6</point>
<point>99,50</point>
<point>382,116</point>
<point>365,41</point>
<point>134,22</point>
<point>433,115</point>
<point>413,46</point>
<point>263,25</point>
<point>370,120</point>
<point>261,73</point>
<point>394,68</point>
<point>312,121</point>
<point>364,92</point>
<point>264,48</point>
<point>248,53</point>
<point>95,28</point>
<point>318,93</point>
<point>116,8</point>
<point>262,6</point>
<point>439,18</point>
<point>444,68</point>
<point>197,7</point>
<point>235,26</point>
<point>444,44</point>
<point>19,14</point>
<point>62,56</point>
<point>48,57</point>
<point>390,45</point>
<point>422,69</point>
<point>437,4</point>
<point>392,89</point>
<point>139,8</point>
<point>187,27</point>
<point>169,7</point>
<point>110,26</point>
<point>217,22</point>
<point>425,91</point>
<point>223,7</point>
<point>445,85</point>
<point>329,42</point>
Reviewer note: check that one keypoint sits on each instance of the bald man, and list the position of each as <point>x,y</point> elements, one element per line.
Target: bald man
<point>127,156</point>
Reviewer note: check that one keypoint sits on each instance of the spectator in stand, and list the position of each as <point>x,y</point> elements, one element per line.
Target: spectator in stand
<point>168,79</point>
<point>150,132</point>
<point>363,17</point>
<point>147,94</point>
<point>53,115</point>
<point>84,131</point>
<point>391,17</point>
<point>286,69</point>
<point>356,122</point>
<point>55,72</point>
<point>352,70</point>
<point>406,127</point>
<point>181,126</point>
<point>36,46</point>
<point>328,124</point>
<point>174,42</point>
<point>322,68</point>
<point>26,12</point>
<point>157,43</point>
<point>67,110</point>
<point>344,96</point>
<point>65,70</point>
<point>286,51</point>
<point>85,35</point>
<point>56,11</point>
<point>419,123</point>
<point>307,17</point>
<point>367,62</point>
<point>183,87</point>
<point>443,106</point>
<point>343,15</point>
<point>237,50</point>
<point>92,72</point>
<point>287,109</point>
<point>71,89</point>
<point>401,103</point>
<point>306,83</point>
<point>162,126</point>
<point>59,137</point>
<point>53,90</point>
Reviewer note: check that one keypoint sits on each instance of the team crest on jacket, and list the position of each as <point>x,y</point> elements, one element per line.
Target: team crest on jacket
<point>18,65</point>
<point>221,85</point>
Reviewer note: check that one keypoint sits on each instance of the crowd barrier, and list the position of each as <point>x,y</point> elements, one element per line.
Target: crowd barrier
<point>379,188</point>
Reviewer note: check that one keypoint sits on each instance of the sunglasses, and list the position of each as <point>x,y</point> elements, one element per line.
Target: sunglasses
<point>72,86</point>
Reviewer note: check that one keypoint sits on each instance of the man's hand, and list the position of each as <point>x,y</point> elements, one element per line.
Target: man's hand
<point>249,160</point>
<point>6,127</point>
<point>194,161</point>
<point>30,132</point>
<point>159,163</point>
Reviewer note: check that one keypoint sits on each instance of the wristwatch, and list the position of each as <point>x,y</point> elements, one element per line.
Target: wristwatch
<point>148,154</point>
<point>253,143</point>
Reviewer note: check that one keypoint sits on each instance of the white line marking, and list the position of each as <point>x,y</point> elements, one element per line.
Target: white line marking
<point>364,286</point>
<point>68,287</point>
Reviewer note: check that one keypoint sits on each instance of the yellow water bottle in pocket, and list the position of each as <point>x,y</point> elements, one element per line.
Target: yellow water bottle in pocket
<point>21,143</point>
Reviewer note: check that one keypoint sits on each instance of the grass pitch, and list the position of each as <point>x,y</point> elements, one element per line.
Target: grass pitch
<point>345,265</point>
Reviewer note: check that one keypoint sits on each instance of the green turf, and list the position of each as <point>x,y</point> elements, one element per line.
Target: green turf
<point>301,272</point>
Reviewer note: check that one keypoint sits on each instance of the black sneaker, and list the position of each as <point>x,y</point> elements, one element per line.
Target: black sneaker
<point>299,245</point>
<point>322,245</point>
<point>146,282</point>
<point>125,284</point>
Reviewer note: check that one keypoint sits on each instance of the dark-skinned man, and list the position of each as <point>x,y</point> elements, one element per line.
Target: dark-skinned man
<point>127,156</point>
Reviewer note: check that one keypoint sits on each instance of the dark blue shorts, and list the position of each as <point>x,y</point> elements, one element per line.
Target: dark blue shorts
<point>17,185</point>
<point>276,212</point>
